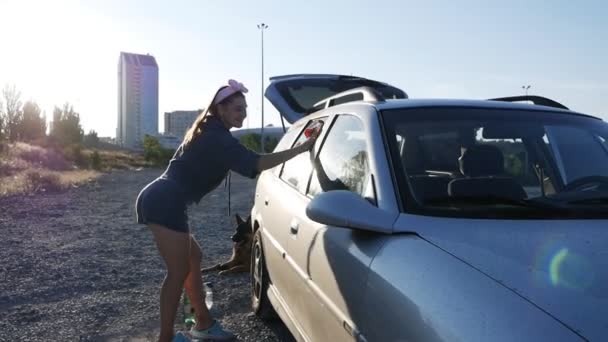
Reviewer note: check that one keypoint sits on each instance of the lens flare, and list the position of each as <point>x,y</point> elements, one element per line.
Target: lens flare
<point>558,265</point>
<point>569,270</point>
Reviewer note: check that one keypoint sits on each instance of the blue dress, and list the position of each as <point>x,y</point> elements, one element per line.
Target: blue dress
<point>191,174</point>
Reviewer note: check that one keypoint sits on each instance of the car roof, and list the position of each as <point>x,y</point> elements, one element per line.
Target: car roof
<point>411,103</point>
<point>391,104</point>
<point>365,107</point>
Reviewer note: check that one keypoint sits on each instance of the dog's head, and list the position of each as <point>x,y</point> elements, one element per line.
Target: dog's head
<point>243,238</point>
<point>243,230</point>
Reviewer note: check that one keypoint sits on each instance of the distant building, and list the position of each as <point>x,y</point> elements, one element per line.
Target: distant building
<point>137,99</point>
<point>172,142</point>
<point>107,140</point>
<point>179,121</point>
<point>269,132</point>
<point>169,141</point>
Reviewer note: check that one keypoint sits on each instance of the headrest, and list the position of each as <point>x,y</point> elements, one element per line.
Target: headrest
<point>481,160</point>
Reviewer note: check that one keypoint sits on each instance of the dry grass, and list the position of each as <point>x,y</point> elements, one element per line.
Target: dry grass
<point>119,160</point>
<point>26,168</point>
<point>39,180</point>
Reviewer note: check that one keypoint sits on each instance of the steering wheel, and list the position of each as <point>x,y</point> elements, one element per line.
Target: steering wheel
<point>587,180</point>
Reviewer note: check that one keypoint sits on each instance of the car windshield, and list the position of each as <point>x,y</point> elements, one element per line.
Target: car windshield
<point>499,162</point>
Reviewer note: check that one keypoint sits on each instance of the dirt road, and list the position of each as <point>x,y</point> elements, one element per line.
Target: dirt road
<point>76,267</point>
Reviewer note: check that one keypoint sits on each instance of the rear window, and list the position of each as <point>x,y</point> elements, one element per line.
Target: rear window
<point>296,171</point>
<point>287,139</point>
<point>284,144</point>
<point>302,95</point>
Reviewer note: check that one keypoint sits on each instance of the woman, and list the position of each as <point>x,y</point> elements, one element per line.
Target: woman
<point>199,165</point>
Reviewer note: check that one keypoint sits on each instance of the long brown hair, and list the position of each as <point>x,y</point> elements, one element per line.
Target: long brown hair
<point>211,110</point>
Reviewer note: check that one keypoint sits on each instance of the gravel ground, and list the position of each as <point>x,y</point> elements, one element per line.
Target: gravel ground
<point>76,267</point>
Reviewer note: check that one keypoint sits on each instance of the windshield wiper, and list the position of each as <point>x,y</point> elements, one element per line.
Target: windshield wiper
<point>595,200</point>
<point>495,200</point>
<point>592,197</point>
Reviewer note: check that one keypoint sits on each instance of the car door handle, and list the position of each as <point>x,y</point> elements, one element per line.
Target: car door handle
<point>266,201</point>
<point>293,227</point>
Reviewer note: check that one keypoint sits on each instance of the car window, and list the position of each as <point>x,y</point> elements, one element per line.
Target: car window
<point>287,139</point>
<point>342,163</point>
<point>567,144</point>
<point>284,144</point>
<point>516,162</point>
<point>302,94</point>
<point>469,162</point>
<point>296,171</point>
<point>440,150</point>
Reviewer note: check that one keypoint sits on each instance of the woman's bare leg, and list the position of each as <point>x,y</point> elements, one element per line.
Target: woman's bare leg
<point>194,287</point>
<point>173,247</point>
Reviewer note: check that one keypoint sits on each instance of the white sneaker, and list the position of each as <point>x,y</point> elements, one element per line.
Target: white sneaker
<point>214,333</point>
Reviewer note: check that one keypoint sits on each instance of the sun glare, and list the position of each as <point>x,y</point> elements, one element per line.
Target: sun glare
<point>58,52</point>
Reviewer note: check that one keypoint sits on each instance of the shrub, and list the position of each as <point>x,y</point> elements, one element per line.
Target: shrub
<point>7,168</point>
<point>155,153</point>
<point>253,141</point>
<point>46,158</point>
<point>36,181</point>
<point>96,161</point>
<point>74,153</point>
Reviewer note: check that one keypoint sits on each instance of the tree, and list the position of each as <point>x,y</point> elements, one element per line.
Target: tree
<point>32,125</point>
<point>91,139</point>
<point>253,142</point>
<point>12,111</point>
<point>155,152</point>
<point>96,161</point>
<point>66,127</point>
<point>1,121</point>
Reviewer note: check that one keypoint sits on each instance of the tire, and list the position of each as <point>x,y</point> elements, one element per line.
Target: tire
<point>260,281</point>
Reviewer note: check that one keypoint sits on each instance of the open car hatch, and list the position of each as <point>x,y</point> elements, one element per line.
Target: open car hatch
<point>295,95</point>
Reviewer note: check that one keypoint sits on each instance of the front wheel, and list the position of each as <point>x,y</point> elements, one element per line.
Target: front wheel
<point>260,281</point>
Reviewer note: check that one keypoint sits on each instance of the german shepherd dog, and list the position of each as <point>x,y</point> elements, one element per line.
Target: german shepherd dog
<point>242,239</point>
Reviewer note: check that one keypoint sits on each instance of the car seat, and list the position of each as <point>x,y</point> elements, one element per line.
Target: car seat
<point>483,168</point>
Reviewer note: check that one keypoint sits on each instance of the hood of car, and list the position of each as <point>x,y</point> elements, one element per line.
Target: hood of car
<point>559,266</point>
<point>294,96</point>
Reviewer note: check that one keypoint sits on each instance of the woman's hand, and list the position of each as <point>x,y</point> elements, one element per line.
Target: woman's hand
<point>310,142</point>
<point>271,160</point>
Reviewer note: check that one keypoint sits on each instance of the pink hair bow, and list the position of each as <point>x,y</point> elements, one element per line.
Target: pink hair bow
<point>233,87</point>
<point>237,86</point>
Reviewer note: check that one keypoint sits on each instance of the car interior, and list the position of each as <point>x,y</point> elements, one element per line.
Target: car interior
<point>470,162</point>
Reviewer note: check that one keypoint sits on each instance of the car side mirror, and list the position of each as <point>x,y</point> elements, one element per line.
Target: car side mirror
<point>342,208</point>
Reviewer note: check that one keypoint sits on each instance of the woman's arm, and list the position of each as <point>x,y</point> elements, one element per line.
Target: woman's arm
<point>270,160</point>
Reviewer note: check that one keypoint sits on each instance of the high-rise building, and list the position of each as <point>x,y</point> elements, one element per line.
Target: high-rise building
<point>179,121</point>
<point>137,99</point>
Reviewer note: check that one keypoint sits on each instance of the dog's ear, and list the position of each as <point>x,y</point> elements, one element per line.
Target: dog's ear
<point>239,220</point>
<point>249,226</point>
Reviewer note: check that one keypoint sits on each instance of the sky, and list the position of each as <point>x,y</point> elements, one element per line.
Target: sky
<point>67,51</point>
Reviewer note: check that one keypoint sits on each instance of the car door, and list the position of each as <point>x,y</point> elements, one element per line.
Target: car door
<point>271,207</point>
<point>331,263</point>
<point>281,203</point>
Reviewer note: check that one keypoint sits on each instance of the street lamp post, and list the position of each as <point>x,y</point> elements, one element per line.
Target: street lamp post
<point>262,27</point>
<point>525,88</point>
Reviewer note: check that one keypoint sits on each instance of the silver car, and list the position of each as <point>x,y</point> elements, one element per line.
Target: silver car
<point>432,220</point>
